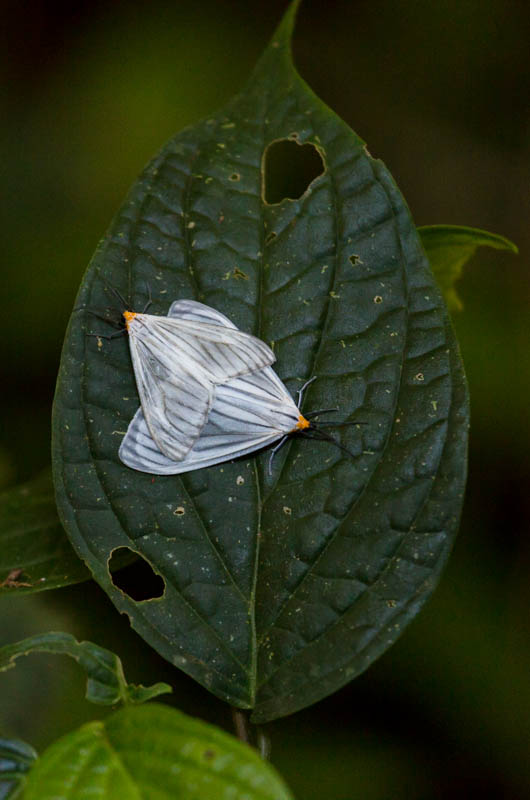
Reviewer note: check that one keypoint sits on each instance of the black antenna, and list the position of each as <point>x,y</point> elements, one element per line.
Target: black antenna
<point>316,433</point>
<point>325,424</point>
<point>311,414</point>
<point>115,292</point>
<point>150,301</point>
<point>119,296</point>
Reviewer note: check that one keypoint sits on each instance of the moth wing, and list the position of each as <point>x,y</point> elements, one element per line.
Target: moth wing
<point>139,451</point>
<point>203,334</point>
<point>175,402</point>
<point>247,414</point>
<point>176,362</point>
<point>199,312</point>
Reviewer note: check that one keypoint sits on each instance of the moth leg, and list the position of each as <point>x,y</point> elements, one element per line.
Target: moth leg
<point>275,450</point>
<point>302,390</point>
<point>109,335</point>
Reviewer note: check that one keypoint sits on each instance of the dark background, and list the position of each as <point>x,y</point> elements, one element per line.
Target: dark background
<point>440,92</point>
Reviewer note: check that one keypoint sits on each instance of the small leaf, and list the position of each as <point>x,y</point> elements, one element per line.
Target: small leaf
<point>449,248</point>
<point>152,751</point>
<point>106,684</point>
<point>16,758</point>
<point>278,589</point>
<point>35,553</point>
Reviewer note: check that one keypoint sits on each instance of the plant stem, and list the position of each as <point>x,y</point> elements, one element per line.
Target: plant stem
<point>241,724</point>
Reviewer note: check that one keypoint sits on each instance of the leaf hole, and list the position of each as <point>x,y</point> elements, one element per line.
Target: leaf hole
<point>354,260</point>
<point>270,237</point>
<point>235,176</point>
<point>138,580</point>
<point>289,169</point>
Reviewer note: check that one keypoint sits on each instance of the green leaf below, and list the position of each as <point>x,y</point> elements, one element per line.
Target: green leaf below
<point>152,751</point>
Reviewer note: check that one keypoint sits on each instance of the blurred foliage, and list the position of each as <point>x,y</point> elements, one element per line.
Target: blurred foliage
<point>152,751</point>
<point>35,553</point>
<point>449,248</point>
<point>106,684</point>
<point>90,92</point>
<point>16,759</point>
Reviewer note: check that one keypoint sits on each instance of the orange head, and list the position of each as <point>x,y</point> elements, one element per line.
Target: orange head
<point>302,423</point>
<point>129,316</point>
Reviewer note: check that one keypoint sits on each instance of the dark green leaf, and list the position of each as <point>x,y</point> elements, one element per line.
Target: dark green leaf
<point>15,760</point>
<point>449,248</point>
<point>277,590</point>
<point>106,684</point>
<point>149,752</point>
<point>35,553</point>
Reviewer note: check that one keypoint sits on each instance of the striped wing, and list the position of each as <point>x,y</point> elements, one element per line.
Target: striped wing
<point>198,312</point>
<point>216,351</point>
<point>178,360</point>
<point>247,414</point>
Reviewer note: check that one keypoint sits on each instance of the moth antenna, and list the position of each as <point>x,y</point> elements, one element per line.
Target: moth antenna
<point>120,297</point>
<point>150,301</point>
<point>311,414</point>
<point>337,424</point>
<point>115,292</point>
<point>323,436</point>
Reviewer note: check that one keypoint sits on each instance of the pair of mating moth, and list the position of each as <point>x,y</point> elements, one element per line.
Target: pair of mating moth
<point>208,393</point>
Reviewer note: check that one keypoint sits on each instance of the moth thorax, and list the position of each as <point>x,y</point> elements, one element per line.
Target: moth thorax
<point>128,317</point>
<point>302,423</point>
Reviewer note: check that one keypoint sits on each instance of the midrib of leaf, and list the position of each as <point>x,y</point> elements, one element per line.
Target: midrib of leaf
<point>253,665</point>
<point>254,645</point>
<point>249,669</point>
<point>113,753</point>
<point>191,272</point>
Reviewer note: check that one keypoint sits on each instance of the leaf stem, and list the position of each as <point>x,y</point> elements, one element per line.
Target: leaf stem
<point>241,724</point>
<point>250,734</point>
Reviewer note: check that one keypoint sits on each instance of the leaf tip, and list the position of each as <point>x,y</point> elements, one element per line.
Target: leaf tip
<point>283,34</point>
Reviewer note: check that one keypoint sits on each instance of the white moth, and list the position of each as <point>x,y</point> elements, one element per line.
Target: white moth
<point>207,391</point>
<point>178,362</point>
